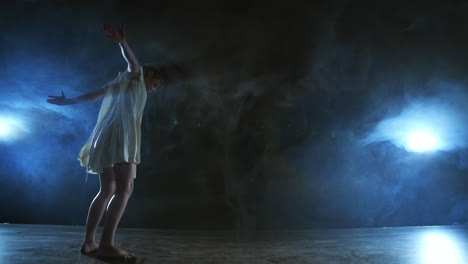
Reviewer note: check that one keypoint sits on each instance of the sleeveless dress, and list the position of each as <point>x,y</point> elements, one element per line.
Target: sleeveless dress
<point>117,135</point>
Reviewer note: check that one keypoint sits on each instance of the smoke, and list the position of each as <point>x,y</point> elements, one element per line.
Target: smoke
<point>286,120</point>
<point>442,112</point>
<point>371,84</point>
<point>43,54</point>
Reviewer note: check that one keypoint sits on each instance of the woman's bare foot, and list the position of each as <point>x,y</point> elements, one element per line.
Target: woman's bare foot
<point>88,247</point>
<point>112,252</point>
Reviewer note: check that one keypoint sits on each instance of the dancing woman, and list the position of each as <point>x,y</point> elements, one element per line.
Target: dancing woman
<point>113,149</point>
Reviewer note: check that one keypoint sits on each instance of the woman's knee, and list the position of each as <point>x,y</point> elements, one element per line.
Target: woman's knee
<point>124,175</point>
<point>108,190</point>
<point>108,183</point>
<point>125,189</point>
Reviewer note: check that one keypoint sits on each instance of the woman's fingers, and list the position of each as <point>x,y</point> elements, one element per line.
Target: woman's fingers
<point>110,32</point>
<point>56,101</point>
<point>54,96</point>
<point>114,34</point>
<point>108,28</point>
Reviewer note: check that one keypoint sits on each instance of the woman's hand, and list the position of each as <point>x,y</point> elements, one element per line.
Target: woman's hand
<point>117,35</point>
<point>120,36</point>
<point>58,100</point>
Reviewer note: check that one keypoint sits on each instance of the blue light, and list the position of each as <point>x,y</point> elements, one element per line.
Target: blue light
<point>4,129</point>
<point>11,129</point>
<point>421,141</point>
<point>440,248</point>
<point>423,127</point>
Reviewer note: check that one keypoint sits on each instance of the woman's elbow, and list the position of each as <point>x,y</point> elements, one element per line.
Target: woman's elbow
<point>133,67</point>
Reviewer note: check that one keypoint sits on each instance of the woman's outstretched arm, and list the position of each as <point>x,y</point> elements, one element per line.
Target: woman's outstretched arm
<point>84,98</point>
<point>120,37</point>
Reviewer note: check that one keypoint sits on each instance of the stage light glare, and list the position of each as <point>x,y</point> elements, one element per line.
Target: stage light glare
<point>439,248</point>
<point>421,141</point>
<point>11,129</point>
<point>4,129</point>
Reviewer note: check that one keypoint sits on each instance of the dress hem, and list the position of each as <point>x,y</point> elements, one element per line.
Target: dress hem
<point>100,170</point>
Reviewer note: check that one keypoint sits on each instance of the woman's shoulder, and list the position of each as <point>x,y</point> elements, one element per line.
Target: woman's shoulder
<point>128,75</point>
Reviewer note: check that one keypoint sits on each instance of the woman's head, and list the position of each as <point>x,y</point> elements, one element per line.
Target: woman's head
<point>155,77</point>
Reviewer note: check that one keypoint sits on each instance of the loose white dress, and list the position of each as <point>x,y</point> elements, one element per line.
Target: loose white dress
<point>117,135</point>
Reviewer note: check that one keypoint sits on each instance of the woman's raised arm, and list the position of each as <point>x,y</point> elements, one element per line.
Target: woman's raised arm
<point>120,37</point>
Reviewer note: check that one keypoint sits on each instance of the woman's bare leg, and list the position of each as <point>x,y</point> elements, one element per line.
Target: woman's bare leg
<point>124,174</point>
<point>97,208</point>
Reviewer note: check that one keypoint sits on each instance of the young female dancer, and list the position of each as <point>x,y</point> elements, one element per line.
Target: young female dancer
<point>113,149</point>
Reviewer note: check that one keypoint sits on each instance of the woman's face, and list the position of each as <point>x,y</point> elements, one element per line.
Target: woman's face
<point>151,82</point>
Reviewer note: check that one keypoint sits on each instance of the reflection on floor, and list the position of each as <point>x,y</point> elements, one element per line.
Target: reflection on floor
<point>428,245</point>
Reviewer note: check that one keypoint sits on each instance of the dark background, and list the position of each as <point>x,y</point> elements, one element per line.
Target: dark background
<point>286,115</point>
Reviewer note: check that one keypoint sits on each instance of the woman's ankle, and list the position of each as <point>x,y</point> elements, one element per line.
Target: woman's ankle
<point>106,245</point>
<point>89,240</point>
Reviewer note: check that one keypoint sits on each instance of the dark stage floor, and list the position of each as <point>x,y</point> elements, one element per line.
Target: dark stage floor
<point>429,245</point>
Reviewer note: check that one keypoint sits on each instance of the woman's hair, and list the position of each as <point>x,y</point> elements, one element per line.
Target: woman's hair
<point>165,73</point>
<point>158,72</point>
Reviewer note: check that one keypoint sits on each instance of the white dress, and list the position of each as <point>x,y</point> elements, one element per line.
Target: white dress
<point>117,135</point>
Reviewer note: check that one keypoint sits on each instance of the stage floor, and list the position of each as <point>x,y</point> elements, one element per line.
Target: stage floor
<point>60,244</point>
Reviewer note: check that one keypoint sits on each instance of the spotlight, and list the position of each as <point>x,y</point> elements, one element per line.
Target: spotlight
<point>4,129</point>
<point>10,128</point>
<point>421,141</point>
<point>440,248</point>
